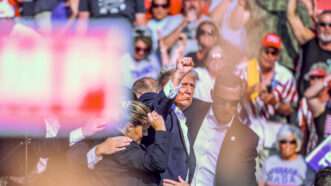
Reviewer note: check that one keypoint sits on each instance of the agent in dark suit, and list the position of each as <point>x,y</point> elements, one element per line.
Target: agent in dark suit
<point>136,165</point>
<point>225,149</point>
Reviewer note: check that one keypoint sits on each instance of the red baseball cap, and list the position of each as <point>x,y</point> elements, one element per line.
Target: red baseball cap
<point>271,40</point>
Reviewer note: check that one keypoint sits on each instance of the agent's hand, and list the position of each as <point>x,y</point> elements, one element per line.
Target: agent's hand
<point>93,126</point>
<point>181,182</point>
<point>156,121</point>
<point>112,145</point>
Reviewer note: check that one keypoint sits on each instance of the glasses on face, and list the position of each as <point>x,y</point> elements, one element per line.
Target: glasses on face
<point>271,51</point>
<point>206,33</point>
<point>324,24</point>
<point>164,6</point>
<point>141,49</point>
<point>290,142</point>
<point>316,77</point>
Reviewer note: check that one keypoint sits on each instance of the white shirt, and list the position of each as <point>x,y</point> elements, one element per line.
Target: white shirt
<point>204,85</point>
<point>207,148</point>
<point>149,67</point>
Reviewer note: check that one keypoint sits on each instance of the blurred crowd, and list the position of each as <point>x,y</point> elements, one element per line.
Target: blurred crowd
<point>223,92</point>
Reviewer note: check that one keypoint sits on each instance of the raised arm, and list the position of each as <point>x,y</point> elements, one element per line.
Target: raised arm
<point>218,13</point>
<point>302,33</point>
<point>171,38</point>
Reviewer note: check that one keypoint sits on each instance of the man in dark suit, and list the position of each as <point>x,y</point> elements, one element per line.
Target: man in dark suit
<point>224,148</point>
<point>171,103</point>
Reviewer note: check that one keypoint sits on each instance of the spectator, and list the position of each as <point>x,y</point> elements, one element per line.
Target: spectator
<point>207,37</point>
<point>316,47</point>
<point>323,177</point>
<point>313,105</point>
<point>212,65</point>
<point>186,23</point>
<point>271,87</point>
<point>160,19</point>
<point>288,167</point>
<point>231,18</point>
<point>142,63</point>
<point>117,15</point>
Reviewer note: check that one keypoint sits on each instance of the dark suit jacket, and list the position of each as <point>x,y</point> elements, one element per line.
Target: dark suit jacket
<point>236,161</point>
<point>179,161</point>
<point>134,166</point>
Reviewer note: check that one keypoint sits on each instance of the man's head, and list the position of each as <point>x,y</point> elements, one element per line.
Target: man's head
<point>324,26</point>
<point>317,73</point>
<point>270,51</point>
<point>207,34</point>
<point>185,94</point>
<point>226,95</point>
<point>160,9</point>
<point>193,5</point>
<point>144,85</point>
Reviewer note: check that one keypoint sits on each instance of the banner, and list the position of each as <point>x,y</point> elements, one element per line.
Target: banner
<point>321,156</point>
<point>71,78</point>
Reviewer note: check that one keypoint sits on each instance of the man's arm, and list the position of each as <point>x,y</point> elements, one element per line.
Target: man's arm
<point>302,33</point>
<point>218,13</point>
<point>83,16</point>
<point>171,38</point>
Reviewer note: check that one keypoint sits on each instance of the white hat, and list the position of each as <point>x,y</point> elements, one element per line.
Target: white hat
<point>6,10</point>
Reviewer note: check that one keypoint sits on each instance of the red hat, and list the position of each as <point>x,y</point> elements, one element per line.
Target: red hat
<point>317,72</point>
<point>272,40</point>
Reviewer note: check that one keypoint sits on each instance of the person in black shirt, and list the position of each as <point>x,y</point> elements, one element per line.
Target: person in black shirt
<point>316,47</point>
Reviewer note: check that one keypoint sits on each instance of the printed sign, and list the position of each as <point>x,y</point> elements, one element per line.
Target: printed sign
<point>321,156</point>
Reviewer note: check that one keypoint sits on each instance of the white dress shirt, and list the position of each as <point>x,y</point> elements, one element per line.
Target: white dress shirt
<point>207,148</point>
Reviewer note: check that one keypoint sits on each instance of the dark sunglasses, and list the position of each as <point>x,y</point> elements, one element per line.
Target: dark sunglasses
<point>204,33</point>
<point>316,77</point>
<point>140,49</point>
<point>271,51</point>
<point>324,24</point>
<point>292,142</point>
<point>164,6</point>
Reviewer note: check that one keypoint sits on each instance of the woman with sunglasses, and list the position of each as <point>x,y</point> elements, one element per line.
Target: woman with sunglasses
<point>287,167</point>
<point>142,63</point>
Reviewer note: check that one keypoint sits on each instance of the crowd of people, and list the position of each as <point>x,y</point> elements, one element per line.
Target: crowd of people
<point>203,110</point>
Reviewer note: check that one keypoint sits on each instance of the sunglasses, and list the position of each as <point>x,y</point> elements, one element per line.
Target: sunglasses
<point>164,6</point>
<point>140,49</point>
<point>316,77</point>
<point>324,24</point>
<point>292,142</point>
<point>271,51</point>
<point>206,33</point>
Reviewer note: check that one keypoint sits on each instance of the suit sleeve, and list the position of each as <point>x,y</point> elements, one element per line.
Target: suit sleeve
<point>153,159</point>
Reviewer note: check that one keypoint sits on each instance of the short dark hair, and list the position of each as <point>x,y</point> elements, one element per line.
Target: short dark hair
<point>323,177</point>
<point>144,85</point>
